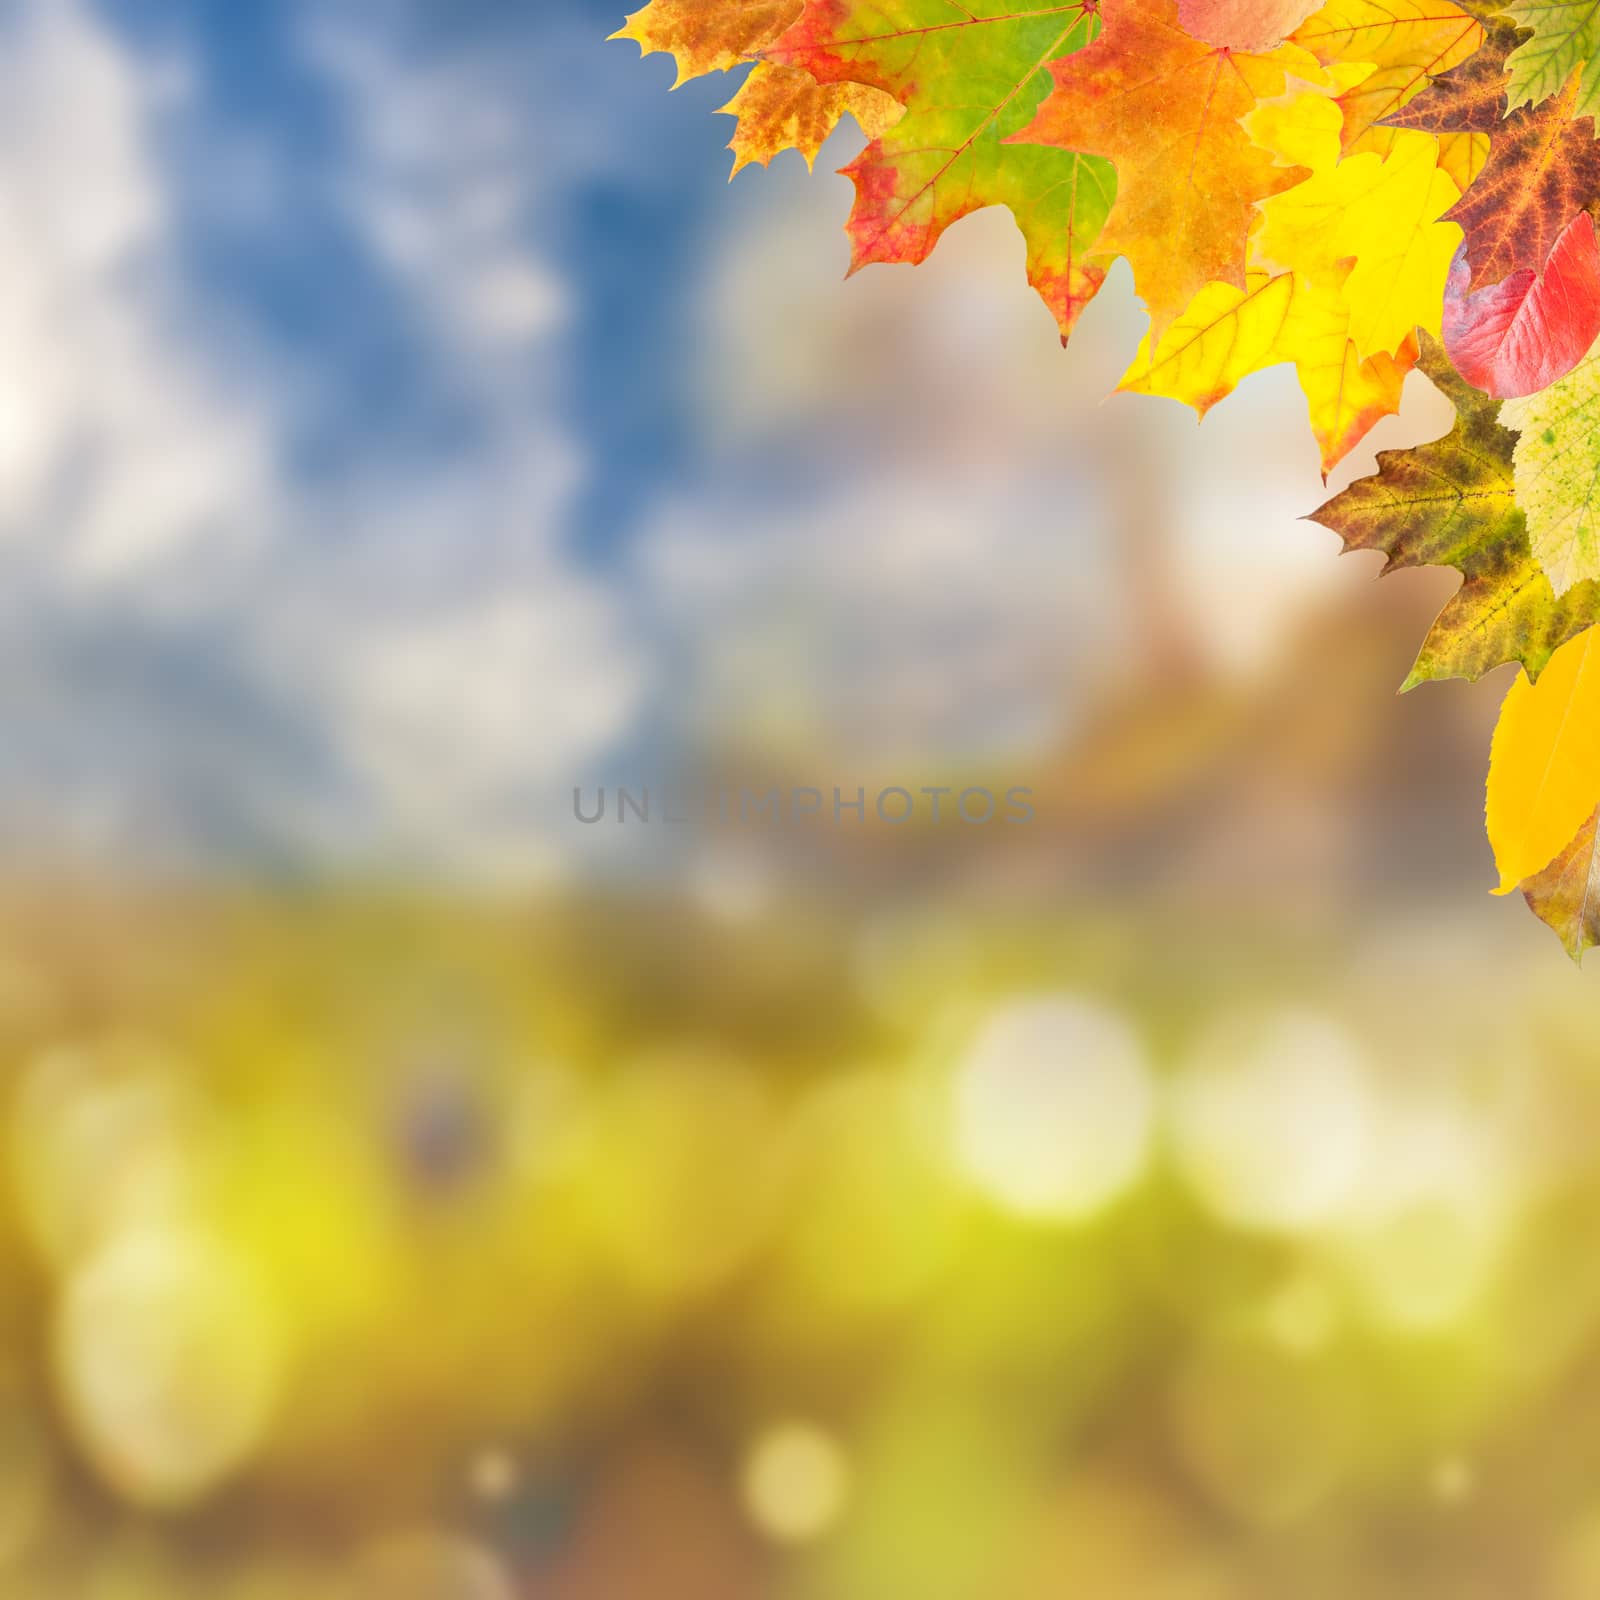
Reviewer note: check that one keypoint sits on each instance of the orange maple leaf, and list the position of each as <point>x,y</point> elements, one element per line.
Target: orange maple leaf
<point>1164,108</point>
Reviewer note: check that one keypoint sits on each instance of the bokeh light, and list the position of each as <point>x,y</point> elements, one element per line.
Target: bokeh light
<point>1054,1108</point>
<point>1272,1120</point>
<point>106,1135</point>
<point>169,1361</point>
<point>795,1482</point>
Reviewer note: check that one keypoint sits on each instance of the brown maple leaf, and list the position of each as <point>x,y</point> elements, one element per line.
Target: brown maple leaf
<point>1543,166</point>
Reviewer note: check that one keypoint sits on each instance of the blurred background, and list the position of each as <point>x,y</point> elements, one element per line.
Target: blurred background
<point>408,1193</point>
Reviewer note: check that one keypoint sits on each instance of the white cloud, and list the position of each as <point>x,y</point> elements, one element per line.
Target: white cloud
<point>463,664</point>
<point>119,446</point>
<point>442,182</point>
<point>418,624</point>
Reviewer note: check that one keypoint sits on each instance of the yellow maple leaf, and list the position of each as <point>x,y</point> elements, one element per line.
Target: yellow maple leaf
<point>785,108</point>
<point>1226,333</point>
<point>778,107</point>
<point>707,35</point>
<point>1402,44</point>
<point>1384,213</point>
<point>1544,766</point>
<point>1461,155</point>
<point>1302,127</point>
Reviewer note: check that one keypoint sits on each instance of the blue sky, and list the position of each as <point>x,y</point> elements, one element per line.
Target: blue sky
<point>389,257</point>
<point>406,420</point>
<point>620,176</point>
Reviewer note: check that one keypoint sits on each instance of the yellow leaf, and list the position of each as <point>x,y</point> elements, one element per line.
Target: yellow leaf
<point>1384,213</point>
<point>1311,126</point>
<point>1301,128</point>
<point>1225,334</point>
<point>1461,155</point>
<point>785,108</point>
<point>1404,44</point>
<point>1544,768</point>
<point>708,35</point>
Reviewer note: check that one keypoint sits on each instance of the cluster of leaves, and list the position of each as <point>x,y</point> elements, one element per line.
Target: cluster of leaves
<point>1356,190</point>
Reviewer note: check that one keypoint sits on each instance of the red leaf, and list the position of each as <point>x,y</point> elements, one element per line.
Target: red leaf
<point>1519,335</point>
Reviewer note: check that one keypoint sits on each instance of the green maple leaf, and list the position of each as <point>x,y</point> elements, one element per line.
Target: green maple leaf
<point>1566,37</point>
<point>969,75</point>
<point>1452,503</point>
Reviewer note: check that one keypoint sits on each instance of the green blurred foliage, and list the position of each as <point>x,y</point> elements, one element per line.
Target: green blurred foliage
<point>385,1247</point>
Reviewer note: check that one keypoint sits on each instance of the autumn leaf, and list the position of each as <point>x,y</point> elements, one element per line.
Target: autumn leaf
<point>1452,503</point>
<point>1405,42</point>
<point>1243,24</point>
<point>778,108</point>
<point>1522,334</point>
<point>1165,109</point>
<point>1299,128</point>
<point>1543,167</point>
<point>783,108</point>
<point>1383,214</point>
<point>1566,38</point>
<point>1336,191</point>
<point>707,35</point>
<point>969,76</point>
<point>1557,462</point>
<point>1566,894</point>
<point>1544,765</point>
<point>1225,334</point>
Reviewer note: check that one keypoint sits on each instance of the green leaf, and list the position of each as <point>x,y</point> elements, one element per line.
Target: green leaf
<point>969,75</point>
<point>1452,503</point>
<point>1566,36</point>
<point>1557,469</point>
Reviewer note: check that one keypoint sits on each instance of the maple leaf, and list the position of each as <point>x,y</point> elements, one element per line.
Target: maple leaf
<point>1522,334</point>
<point>969,76</point>
<point>1566,37</point>
<point>1544,764</point>
<point>1165,108</point>
<point>1404,43</point>
<point>1557,469</point>
<point>1452,503</point>
<point>707,35</point>
<point>1285,200</point>
<point>1226,333</point>
<point>783,108</point>
<point>778,108</point>
<point>1383,213</point>
<point>1566,894</point>
<point>1243,24</point>
<point>1543,166</point>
